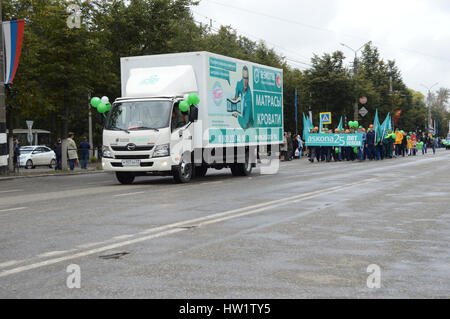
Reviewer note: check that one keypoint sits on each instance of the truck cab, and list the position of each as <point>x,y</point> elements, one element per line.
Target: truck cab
<point>139,135</point>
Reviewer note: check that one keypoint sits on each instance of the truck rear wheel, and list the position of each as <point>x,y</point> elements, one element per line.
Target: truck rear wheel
<point>183,172</point>
<point>242,169</point>
<point>125,178</point>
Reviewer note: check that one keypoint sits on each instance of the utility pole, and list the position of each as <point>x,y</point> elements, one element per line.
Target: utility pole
<point>429,103</point>
<point>3,139</point>
<point>355,73</point>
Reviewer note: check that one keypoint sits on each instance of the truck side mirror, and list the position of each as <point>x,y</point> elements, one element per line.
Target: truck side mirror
<point>193,114</point>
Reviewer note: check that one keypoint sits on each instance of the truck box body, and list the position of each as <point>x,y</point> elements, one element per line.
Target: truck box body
<point>229,115</point>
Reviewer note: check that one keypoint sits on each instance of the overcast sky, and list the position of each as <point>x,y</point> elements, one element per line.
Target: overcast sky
<point>414,33</point>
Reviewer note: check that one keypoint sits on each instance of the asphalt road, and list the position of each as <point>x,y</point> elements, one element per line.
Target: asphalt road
<point>312,230</point>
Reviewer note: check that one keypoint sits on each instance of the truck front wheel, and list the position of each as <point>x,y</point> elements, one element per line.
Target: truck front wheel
<point>183,172</point>
<point>125,178</point>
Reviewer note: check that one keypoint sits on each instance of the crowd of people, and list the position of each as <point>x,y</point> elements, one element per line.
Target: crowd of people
<point>396,143</point>
<point>292,147</point>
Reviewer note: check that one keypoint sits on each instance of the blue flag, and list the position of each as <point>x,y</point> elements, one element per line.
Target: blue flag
<point>340,125</point>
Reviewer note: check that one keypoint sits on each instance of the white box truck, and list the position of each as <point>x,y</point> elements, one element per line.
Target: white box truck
<point>238,120</point>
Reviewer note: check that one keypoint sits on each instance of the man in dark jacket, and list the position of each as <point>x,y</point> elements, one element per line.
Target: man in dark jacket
<point>295,144</point>
<point>370,143</point>
<point>58,152</point>
<point>290,147</point>
<point>16,154</point>
<point>426,141</point>
<point>84,151</point>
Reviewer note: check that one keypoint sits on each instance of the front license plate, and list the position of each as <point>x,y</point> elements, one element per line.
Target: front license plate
<point>131,162</point>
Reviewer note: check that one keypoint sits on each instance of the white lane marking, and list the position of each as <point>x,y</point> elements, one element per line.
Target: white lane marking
<point>86,253</point>
<point>11,191</point>
<point>123,237</point>
<point>89,245</point>
<point>277,205</point>
<point>210,183</point>
<point>111,182</point>
<point>12,209</point>
<point>128,194</point>
<point>222,217</point>
<point>55,253</point>
<point>10,263</point>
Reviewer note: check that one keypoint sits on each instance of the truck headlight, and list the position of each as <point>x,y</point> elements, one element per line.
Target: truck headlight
<point>162,150</point>
<point>107,152</point>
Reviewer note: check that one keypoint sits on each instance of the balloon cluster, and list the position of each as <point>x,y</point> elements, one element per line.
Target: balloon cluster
<point>102,105</point>
<point>192,99</point>
<point>353,124</point>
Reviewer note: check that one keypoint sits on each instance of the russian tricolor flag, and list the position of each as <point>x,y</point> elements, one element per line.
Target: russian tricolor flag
<point>13,37</point>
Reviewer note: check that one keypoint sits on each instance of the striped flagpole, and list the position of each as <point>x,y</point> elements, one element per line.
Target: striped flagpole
<point>11,46</point>
<point>3,145</point>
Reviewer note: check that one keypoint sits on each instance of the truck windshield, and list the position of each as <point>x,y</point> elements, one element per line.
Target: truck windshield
<point>139,115</point>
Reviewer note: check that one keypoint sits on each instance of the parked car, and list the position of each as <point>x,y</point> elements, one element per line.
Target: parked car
<point>32,156</point>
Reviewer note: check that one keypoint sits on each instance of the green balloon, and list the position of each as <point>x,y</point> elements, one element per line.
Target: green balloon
<point>102,108</point>
<point>95,101</point>
<point>184,106</point>
<point>193,99</point>
<point>356,124</point>
<point>108,107</point>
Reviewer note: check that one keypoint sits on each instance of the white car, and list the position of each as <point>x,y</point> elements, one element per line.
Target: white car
<point>32,156</point>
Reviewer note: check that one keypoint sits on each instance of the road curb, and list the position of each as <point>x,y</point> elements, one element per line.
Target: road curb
<point>49,174</point>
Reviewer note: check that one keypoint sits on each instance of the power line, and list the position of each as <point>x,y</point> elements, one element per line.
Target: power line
<point>257,38</point>
<point>252,36</point>
<point>323,29</point>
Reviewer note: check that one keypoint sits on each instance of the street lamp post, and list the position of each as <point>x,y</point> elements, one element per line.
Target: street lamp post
<point>355,72</point>
<point>429,103</point>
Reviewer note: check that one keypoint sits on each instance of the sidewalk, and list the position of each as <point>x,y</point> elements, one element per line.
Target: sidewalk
<point>93,168</point>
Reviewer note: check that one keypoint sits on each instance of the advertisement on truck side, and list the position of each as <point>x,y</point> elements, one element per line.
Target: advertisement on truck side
<point>245,103</point>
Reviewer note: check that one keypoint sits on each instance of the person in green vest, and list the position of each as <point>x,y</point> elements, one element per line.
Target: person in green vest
<point>388,143</point>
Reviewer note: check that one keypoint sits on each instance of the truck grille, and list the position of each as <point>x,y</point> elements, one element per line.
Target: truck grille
<point>132,156</point>
<point>146,164</point>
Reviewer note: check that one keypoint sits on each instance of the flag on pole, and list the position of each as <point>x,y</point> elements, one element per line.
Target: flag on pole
<point>340,125</point>
<point>307,126</point>
<point>377,126</point>
<point>320,124</point>
<point>13,37</point>
<point>296,120</point>
<point>386,126</point>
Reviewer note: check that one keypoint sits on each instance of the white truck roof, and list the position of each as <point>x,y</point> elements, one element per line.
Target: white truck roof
<point>161,81</point>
